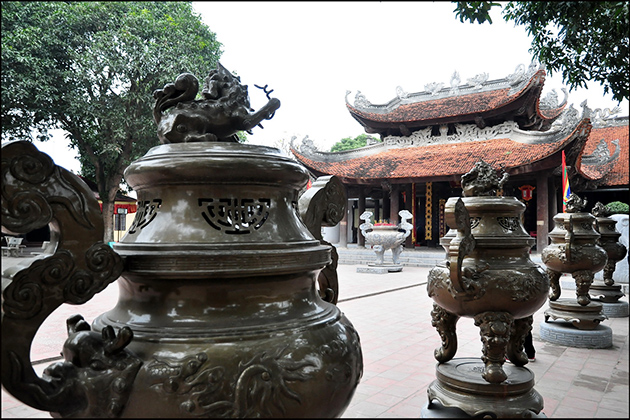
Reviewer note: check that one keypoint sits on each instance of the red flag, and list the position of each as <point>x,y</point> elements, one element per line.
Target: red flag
<point>566,188</point>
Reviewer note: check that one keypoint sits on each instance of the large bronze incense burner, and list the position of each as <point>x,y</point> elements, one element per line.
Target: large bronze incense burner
<point>226,304</point>
<point>574,250</point>
<point>488,276</point>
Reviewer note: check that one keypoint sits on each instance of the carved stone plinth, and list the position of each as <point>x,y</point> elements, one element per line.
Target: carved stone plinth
<point>372,270</point>
<point>615,310</point>
<point>604,293</point>
<point>459,385</point>
<point>583,317</point>
<point>380,269</point>
<point>391,268</point>
<point>563,333</point>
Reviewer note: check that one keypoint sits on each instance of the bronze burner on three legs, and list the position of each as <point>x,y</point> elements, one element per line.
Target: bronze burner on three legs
<point>488,276</point>
<point>607,291</point>
<point>574,250</point>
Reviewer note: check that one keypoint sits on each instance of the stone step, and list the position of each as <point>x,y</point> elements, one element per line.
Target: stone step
<point>425,257</point>
<point>410,258</point>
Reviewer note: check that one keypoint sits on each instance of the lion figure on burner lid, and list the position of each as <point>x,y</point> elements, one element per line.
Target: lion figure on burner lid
<point>223,110</point>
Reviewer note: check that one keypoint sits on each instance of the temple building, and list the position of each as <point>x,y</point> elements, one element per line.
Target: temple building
<point>429,139</point>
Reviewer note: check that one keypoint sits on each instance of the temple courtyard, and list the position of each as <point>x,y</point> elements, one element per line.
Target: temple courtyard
<point>391,313</point>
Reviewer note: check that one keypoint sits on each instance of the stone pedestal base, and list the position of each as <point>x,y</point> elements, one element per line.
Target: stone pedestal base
<point>380,268</point>
<point>583,317</point>
<point>460,389</point>
<point>615,310</point>
<point>565,334</point>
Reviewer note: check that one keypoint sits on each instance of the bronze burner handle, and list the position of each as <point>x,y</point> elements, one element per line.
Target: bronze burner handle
<point>324,204</point>
<point>36,193</point>
<point>462,245</point>
<point>569,236</point>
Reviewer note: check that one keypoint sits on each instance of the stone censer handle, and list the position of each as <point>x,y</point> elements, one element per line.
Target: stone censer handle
<point>36,193</point>
<point>462,245</point>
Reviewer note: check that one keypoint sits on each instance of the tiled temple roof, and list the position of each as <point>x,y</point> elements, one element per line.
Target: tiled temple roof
<point>439,160</point>
<point>442,133</point>
<point>516,97</point>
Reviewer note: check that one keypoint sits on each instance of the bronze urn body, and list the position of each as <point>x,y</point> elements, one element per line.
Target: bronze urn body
<point>488,276</point>
<point>227,291</point>
<point>574,250</point>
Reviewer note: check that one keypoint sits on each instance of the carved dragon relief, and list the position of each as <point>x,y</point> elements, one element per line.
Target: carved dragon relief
<point>37,193</point>
<point>206,389</point>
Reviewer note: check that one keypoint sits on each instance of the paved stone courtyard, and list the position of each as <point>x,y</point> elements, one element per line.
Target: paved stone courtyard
<point>391,312</point>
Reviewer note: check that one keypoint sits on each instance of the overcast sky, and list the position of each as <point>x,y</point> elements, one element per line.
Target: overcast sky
<point>311,53</point>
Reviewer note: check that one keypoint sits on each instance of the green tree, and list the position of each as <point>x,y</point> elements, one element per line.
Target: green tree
<point>618,207</point>
<point>350,143</point>
<point>90,68</point>
<point>585,40</point>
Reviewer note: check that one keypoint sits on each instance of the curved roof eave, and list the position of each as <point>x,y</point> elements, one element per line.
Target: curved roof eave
<point>453,106</point>
<point>440,160</point>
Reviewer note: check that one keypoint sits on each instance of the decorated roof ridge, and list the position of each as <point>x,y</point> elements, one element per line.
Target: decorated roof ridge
<point>605,157</point>
<point>465,133</point>
<point>398,106</point>
<point>441,160</point>
<point>515,82</point>
<point>481,107</point>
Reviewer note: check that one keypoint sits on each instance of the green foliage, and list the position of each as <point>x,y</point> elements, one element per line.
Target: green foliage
<point>90,68</point>
<point>350,143</point>
<point>474,11</point>
<point>242,137</point>
<point>585,40</point>
<point>618,207</point>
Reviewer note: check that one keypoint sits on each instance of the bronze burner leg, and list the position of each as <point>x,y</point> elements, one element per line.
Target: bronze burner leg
<point>609,269</point>
<point>495,330</point>
<point>554,282</point>
<point>583,281</point>
<point>520,329</point>
<point>445,323</point>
